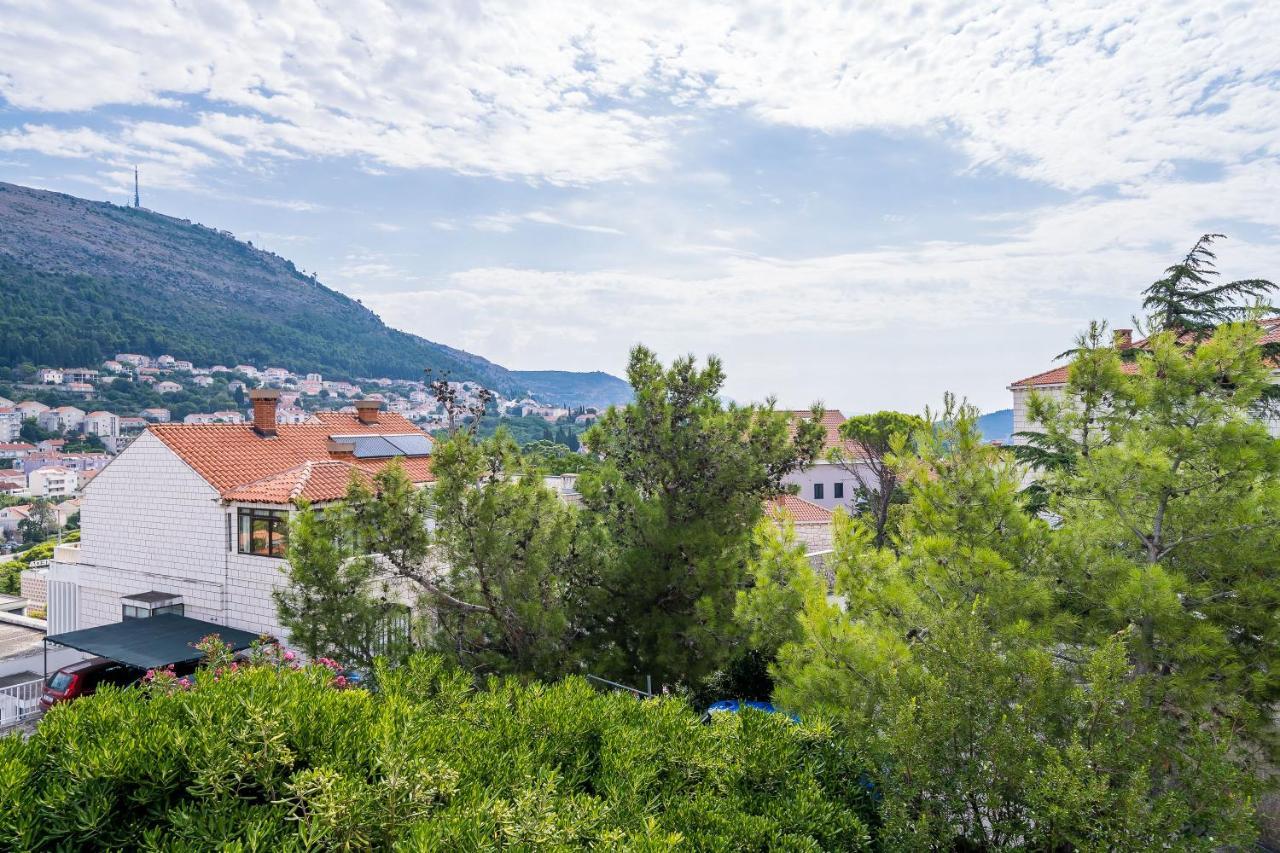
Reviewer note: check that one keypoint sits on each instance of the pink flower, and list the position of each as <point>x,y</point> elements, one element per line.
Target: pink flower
<point>289,656</point>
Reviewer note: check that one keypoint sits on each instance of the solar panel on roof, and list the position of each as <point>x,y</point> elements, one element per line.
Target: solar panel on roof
<point>375,446</point>
<point>411,445</point>
<point>372,447</point>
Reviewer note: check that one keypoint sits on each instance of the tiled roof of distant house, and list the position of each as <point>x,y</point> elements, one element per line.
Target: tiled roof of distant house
<point>1059,375</point>
<point>800,510</point>
<point>238,461</point>
<point>831,421</point>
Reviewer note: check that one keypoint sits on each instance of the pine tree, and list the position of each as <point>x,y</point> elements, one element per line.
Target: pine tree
<point>1188,300</point>
<point>679,489</point>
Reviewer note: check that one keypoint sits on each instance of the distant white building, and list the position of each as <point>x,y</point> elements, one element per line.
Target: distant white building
<point>157,415</point>
<point>85,375</point>
<point>167,387</point>
<point>61,419</point>
<point>10,424</point>
<point>132,358</point>
<point>30,409</point>
<point>223,417</point>
<point>54,481</point>
<point>825,483</point>
<point>49,376</point>
<point>165,361</point>
<point>102,424</point>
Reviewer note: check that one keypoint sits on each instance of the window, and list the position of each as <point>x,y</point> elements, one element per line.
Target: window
<point>837,491</point>
<point>263,532</point>
<point>134,611</point>
<point>817,491</point>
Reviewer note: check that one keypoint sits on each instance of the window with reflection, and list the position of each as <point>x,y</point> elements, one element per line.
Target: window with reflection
<point>263,532</point>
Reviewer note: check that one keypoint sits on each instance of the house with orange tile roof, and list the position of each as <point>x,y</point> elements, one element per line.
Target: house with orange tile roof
<point>200,512</point>
<point>826,483</point>
<point>1053,382</point>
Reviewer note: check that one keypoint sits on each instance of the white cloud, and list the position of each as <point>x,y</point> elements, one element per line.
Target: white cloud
<point>1044,281</point>
<point>1077,94</point>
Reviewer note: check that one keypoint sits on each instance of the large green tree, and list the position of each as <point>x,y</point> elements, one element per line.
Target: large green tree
<point>1190,300</point>
<point>486,558</point>
<point>871,458</point>
<point>1170,519</point>
<point>957,669</point>
<point>680,486</point>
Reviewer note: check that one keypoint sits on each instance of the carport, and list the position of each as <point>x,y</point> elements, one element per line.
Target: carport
<point>149,643</point>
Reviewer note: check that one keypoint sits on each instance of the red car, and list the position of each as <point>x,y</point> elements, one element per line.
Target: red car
<point>83,678</point>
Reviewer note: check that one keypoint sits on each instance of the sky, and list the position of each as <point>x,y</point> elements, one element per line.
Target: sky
<point>866,204</point>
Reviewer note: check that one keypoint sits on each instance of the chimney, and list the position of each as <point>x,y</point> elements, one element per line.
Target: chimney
<point>367,411</point>
<point>1123,338</point>
<point>264,410</point>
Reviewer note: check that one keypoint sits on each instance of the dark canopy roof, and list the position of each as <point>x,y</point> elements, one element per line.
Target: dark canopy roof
<point>152,642</point>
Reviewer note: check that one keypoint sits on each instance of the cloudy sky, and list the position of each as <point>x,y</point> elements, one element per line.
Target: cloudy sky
<point>863,203</point>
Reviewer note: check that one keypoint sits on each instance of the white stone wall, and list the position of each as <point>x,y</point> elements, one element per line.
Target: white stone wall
<point>1021,396</point>
<point>148,522</point>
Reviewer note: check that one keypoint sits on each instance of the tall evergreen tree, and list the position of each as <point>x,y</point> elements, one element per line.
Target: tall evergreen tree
<point>1189,299</point>
<point>681,484</point>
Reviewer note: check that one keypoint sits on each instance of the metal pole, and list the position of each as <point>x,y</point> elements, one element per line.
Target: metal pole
<point>648,684</point>
<point>45,643</point>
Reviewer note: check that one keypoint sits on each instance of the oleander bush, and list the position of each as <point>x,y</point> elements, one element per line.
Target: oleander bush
<point>272,758</point>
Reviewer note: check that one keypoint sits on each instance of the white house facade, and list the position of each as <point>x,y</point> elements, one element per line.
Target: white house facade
<point>195,515</point>
<point>825,483</point>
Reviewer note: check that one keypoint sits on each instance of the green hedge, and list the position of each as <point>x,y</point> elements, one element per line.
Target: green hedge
<point>276,759</point>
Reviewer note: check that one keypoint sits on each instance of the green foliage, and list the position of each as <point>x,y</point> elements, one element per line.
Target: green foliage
<point>881,442</point>
<point>554,458</point>
<point>487,556</point>
<point>959,669</point>
<point>781,579</point>
<point>11,570</point>
<point>679,489</point>
<point>511,546</point>
<point>1188,299</point>
<point>272,759</point>
<point>1171,519</point>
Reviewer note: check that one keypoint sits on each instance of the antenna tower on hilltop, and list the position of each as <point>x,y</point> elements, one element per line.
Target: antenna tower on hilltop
<point>137,200</point>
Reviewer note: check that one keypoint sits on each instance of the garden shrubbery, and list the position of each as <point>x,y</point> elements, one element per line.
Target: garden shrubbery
<point>269,757</point>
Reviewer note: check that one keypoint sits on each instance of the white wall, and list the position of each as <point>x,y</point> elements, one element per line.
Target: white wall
<point>148,522</point>
<point>828,475</point>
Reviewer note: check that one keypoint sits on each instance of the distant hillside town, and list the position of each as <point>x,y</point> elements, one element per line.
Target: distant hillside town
<point>62,425</point>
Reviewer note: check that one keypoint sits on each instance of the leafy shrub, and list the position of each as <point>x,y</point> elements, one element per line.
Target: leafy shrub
<point>274,758</point>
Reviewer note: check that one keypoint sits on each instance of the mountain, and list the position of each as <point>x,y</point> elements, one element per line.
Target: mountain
<point>997,426</point>
<point>82,280</point>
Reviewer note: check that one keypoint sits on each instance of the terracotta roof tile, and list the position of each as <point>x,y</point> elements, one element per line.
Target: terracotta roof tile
<point>800,510</point>
<point>232,457</point>
<point>831,420</point>
<point>1059,375</point>
<point>315,482</point>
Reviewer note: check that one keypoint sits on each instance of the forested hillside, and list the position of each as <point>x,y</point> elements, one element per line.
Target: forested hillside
<point>82,280</point>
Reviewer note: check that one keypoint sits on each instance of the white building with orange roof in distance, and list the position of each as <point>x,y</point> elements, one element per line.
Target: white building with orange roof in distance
<point>825,483</point>
<point>200,512</point>
<point>1053,382</point>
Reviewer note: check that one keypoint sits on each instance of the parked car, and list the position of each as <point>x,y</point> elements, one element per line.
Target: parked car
<point>84,678</point>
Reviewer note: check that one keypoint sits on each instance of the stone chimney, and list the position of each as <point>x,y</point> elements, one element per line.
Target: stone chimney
<point>367,411</point>
<point>1123,338</point>
<point>264,410</point>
